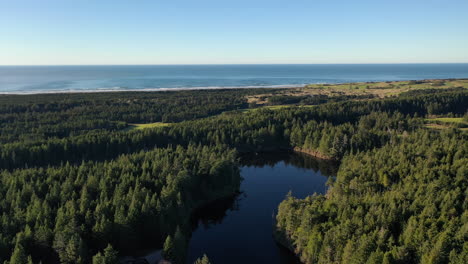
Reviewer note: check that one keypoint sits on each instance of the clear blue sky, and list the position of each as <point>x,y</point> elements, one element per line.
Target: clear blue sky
<point>40,32</point>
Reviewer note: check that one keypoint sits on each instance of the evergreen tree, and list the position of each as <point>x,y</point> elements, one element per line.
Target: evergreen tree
<point>168,249</point>
<point>203,260</point>
<point>110,256</point>
<point>19,255</point>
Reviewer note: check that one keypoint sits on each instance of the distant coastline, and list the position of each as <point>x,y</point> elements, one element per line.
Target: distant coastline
<point>124,90</point>
<point>150,78</point>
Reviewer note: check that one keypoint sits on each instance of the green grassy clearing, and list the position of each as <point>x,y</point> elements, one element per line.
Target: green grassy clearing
<point>446,122</point>
<point>149,125</point>
<point>457,120</point>
<point>275,107</point>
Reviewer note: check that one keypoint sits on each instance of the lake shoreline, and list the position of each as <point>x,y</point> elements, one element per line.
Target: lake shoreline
<point>314,153</point>
<point>267,177</point>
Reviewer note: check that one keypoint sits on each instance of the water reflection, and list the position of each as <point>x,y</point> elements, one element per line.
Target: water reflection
<point>214,212</point>
<point>239,229</point>
<point>299,160</point>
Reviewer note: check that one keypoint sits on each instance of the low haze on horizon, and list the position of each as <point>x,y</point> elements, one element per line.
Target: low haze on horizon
<point>54,32</point>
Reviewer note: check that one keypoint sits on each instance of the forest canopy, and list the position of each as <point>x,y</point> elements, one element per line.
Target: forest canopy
<point>78,186</point>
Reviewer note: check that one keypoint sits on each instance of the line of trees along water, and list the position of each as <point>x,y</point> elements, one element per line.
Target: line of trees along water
<point>99,190</point>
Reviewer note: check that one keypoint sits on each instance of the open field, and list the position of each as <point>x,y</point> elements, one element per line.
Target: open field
<point>349,91</point>
<point>446,122</point>
<point>375,89</point>
<point>456,120</point>
<point>269,107</point>
<point>149,125</point>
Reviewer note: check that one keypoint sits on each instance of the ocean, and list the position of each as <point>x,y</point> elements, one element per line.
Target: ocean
<point>51,79</point>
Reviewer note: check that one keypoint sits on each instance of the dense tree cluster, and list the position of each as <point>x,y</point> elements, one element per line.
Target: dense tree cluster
<point>313,99</point>
<point>403,203</point>
<point>75,187</point>
<point>257,130</point>
<point>67,213</point>
<point>46,116</point>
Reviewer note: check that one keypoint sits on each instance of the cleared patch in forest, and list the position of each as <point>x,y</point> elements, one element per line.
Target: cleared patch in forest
<point>149,125</point>
<point>377,89</point>
<point>446,122</point>
<point>269,107</point>
<point>456,120</point>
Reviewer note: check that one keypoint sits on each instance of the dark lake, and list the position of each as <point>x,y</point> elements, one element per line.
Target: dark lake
<point>239,229</point>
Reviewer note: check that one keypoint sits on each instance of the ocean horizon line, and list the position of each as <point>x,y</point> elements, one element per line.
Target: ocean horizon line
<point>214,64</point>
